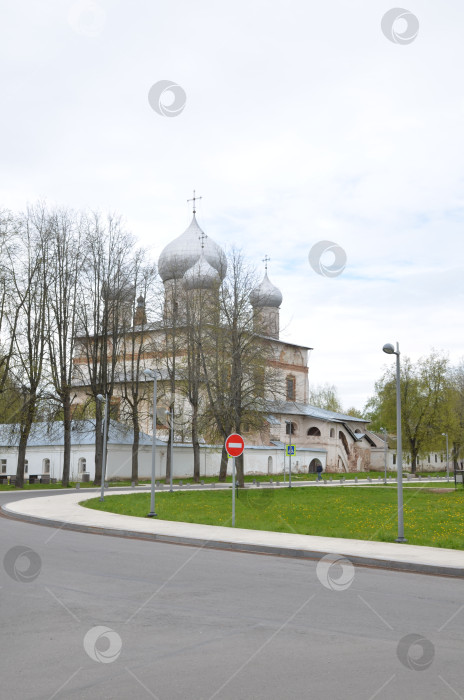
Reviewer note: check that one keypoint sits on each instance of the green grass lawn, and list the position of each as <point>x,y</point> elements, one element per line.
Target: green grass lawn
<point>434,519</point>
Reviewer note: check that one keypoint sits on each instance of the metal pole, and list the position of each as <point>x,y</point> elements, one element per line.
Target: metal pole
<point>170,449</point>
<point>289,456</point>
<point>447,458</point>
<point>399,448</point>
<point>384,430</point>
<point>105,438</point>
<point>233,491</point>
<point>152,513</point>
<point>289,469</point>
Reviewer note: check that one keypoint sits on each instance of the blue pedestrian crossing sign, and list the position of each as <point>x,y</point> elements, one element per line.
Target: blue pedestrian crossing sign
<point>290,450</point>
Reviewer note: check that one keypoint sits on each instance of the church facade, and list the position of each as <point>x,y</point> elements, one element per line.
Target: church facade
<point>194,263</point>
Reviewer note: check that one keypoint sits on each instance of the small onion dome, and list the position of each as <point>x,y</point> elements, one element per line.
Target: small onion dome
<point>201,275</point>
<point>183,252</point>
<point>266,294</point>
<point>141,301</point>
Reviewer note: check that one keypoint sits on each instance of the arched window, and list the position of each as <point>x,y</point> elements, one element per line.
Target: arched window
<point>357,431</point>
<point>332,432</point>
<point>314,431</point>
<point>290,386</point>
<point>46,466</point>
<point>344,442</point>
<point>82,465</point>
<point>269,465</point>
<point>26,466</point>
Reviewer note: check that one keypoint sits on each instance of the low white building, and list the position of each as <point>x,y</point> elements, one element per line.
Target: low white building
<point>44,454</point>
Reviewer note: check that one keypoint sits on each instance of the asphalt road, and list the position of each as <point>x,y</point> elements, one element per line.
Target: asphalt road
<point>91,617</point>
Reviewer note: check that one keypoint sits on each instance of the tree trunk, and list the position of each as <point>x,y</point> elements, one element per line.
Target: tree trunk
<point>168,460</point>
<point>135,455</point>
<point>21,457</point>
<point>239,470</point>
<point>413,463</point>
<point>196,445</point>
<point>98,445</point>
<point>67,440</point>
<point>135,444</point>
<point>24,437</point>
<point>224,463</point>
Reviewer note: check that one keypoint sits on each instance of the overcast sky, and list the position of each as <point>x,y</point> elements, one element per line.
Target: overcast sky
<point>302,123</point>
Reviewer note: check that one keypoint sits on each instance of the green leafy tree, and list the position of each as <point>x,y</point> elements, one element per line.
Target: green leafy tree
<point>325,396</point>
<point>425,401</point>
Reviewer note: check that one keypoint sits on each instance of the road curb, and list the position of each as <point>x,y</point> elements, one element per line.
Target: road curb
<point>270,550</point>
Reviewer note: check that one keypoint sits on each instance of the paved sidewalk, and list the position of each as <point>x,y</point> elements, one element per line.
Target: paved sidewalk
<point>64,511</point>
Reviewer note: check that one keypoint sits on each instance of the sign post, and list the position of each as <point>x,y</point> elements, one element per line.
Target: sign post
<point>290,450</point>
<point>234,447</point>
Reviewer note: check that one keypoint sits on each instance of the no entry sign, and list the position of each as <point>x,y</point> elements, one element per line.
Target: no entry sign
<point>235,445</point>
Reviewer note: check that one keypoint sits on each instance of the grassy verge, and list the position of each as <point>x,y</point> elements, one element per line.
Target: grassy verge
<point>432,519</point>
<point>72,485</point>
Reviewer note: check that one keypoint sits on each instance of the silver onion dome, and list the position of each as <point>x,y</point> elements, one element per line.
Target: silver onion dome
<point>183,252</point>
<point>201,275</point>
<point>266,294</point>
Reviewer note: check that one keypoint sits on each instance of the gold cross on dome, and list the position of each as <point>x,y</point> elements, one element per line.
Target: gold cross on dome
<point>194,199</point>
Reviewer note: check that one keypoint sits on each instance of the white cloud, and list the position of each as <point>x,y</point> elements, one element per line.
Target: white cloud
<point>302,123</point>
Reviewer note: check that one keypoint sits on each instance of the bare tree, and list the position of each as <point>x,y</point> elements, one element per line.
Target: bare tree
<point>105,297</point>
<point>236,360</point>
<point>136,344</point>
<point>28,261</point>
<point>64,272</point>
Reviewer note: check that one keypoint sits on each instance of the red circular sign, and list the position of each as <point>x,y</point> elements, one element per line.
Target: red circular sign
<point>235,445</point>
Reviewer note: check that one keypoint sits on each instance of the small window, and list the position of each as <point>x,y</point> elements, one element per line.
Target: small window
<point>441,458</point>
<point>26,466</point>
<point>332,432</point>
<point>82,465</point>
<point>3,464</point>
<point>290,427</point>
<point>357,431</point>
<point>394,459</point>
<point>436,458</point>
<point>314,431</point>
<point>290,383</point>
<point>46,466</point>
<point>428,459</point>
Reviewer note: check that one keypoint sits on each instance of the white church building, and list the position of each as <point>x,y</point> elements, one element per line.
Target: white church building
<point>338,442</point>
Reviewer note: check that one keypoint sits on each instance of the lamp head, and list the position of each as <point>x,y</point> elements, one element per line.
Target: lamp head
<point>389,349</point>
<point>100,397</point>
<point>148,373</point>
<point>445,434</point>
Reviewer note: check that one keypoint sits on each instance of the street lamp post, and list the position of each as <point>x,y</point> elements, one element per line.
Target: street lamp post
<point>100,397</point>
<point>170,413</point>
<point>447,456</point>
<point>152,375</point>
<point>390,350</point>
<point>384,431</point>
